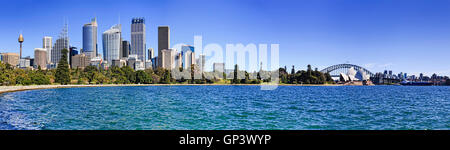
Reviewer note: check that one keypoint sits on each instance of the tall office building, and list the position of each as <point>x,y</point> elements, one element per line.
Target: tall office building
<point>61,43</point>
<point>47,45</point>
<point>72,52</point>
<point>11,58</point>
<point>168,58</point>
<point>163,42</point>
<point>219,67</point>
<point>150,53</point>
<point>80,61</point>
<point>112,44</point>
<point>188,56</point>
<point>178,61</point>
<point>90,39</point>
<point>201,62</point>
<point>126,47</point>
<point>40,58</point>
<point>138,45</point>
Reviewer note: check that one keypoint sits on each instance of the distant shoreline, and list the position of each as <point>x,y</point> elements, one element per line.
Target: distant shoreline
<point>8,89</point>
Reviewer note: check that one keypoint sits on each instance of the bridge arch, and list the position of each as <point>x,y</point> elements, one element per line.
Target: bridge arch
<point>336,70</point>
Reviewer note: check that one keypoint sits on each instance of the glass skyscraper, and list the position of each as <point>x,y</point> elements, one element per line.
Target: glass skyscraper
<point>138,45</point>
<point>90,39</point>
<point>61,43</point>
<point>112,44</point>
<point>188,56</point>
<point>47,45</point>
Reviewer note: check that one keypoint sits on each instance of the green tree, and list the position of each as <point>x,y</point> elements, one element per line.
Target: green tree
<point>62,75</point>
<point>91,73</point>
<point>142,77</point>
<point>235,77</point>
<point>192,73</point>
<point>167,78</point>
<point>39,78</point>
<point>129,73</point>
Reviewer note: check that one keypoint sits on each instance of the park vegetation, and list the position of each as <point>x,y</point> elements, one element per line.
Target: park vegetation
<point>64,75</point>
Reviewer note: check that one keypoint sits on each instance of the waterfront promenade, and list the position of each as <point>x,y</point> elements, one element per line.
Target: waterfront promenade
<point>5,89</point>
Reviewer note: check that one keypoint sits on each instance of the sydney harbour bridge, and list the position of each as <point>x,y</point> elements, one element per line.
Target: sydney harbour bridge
<point>336,70</point>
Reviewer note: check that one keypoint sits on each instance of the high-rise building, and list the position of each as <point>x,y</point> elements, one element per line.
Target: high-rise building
<point>138,45</point>
<point>80,61</point>
<point>150,53</point>
<point>90,38</point>
<point>25,62</point>
<point>72,52</point>
<point>125,49</point>
<point>168,58</point>
<point>188,56</point>
<point>219,67</point>
<point>47,45</point>
<point>178,60</point>
<point>135,63</point>
<point>40,58</point>
<point>163,42</point>
<point>112,44</point>
<point>61,43</point>
<point>201,62</point>
<point>11,58</point>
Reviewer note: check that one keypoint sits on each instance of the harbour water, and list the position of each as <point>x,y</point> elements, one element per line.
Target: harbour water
<point>228,107</point>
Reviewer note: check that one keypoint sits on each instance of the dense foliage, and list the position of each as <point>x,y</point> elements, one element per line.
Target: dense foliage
<point>304,77</point>
<point>62,75</point>
<point>126,75</point>
<point>11,76</point>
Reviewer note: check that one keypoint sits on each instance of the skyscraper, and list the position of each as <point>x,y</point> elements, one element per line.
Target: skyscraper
<point>125,49</point>
<point>40,58</point>
<point>150,53</point>
<point>11,58</point>
<point>61,43</point>
<point>47,45</point>
<point>188,56</point>
<point>111,44</point>
<point>163,42</point>
<point>138,45</point>
<point>168,58</point>
<point>90,38</point>
<point>72,52</point>
<point>80,61</point>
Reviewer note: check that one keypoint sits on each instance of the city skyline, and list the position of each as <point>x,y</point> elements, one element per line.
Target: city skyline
<point>377,35</point>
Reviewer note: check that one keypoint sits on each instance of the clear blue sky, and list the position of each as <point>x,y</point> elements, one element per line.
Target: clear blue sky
<point>401,35</point>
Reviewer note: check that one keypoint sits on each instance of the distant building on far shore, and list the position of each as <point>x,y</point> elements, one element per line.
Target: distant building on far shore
<point>126,47</point>
<point>112,44</point>
<point>163,43</point>
<point>219,67</point>
<point>47,45</point>
<point>80,61</point>
<point>90,47</point>
<point>40,58</point>
<point>10,58</point>
<point>138,45</point>
<point>168,58</point>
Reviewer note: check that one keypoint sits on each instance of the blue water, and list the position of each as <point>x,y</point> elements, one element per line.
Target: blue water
<point>227,107</point>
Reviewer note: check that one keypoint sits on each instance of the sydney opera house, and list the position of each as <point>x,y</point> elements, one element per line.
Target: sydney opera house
<point>353,75</point>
